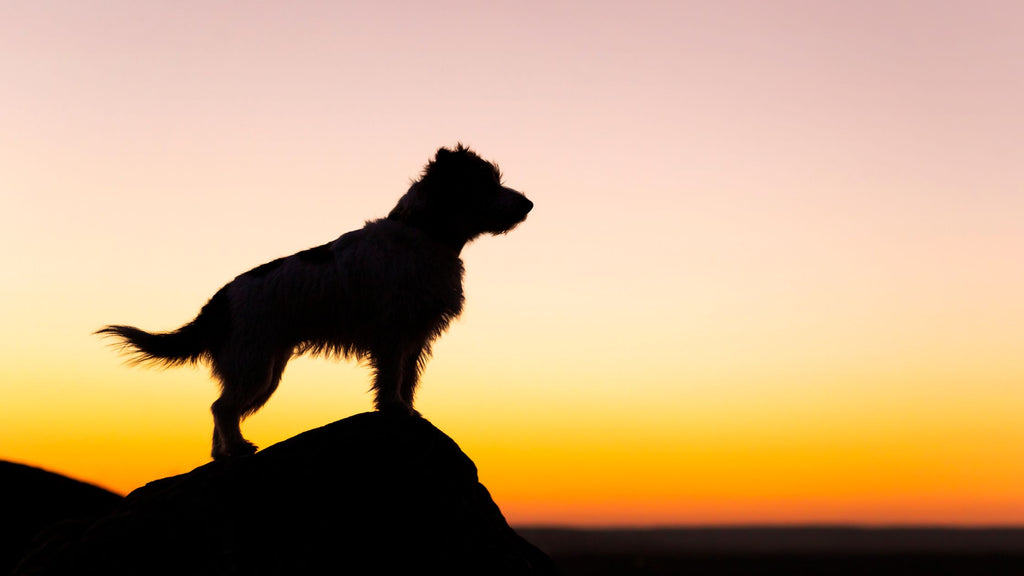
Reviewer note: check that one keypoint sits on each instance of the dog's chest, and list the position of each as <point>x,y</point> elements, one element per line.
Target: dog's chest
<point>392,267</point>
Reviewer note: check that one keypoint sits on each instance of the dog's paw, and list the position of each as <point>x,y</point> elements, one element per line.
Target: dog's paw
<point>244,448</point>
<point>397,409</point>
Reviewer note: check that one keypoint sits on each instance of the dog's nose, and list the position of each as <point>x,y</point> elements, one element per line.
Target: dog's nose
<point>528,205</point>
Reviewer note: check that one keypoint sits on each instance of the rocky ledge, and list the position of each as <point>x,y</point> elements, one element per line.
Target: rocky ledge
<point>374,493</point>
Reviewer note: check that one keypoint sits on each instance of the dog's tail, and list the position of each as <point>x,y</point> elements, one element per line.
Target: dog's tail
<point>186,345</point>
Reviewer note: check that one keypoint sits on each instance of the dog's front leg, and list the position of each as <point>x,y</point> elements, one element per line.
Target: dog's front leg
<point>387,374</point>
<point>387,382</point>
<point>412,365</point>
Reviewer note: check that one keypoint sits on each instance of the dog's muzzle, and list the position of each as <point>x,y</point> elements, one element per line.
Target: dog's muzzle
<point>522,204</point>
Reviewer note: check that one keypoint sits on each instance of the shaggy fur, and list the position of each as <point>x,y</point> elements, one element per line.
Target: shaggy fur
<point>382,293</point>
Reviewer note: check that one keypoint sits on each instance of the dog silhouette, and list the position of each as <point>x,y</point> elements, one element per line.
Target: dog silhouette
<point>382,293</point>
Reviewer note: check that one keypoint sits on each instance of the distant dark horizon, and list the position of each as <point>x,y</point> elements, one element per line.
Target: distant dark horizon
<point>830,539</point>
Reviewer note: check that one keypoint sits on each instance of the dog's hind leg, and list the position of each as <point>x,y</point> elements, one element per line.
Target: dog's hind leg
<point>242,384</point>
<point>279,361</point>
<point>227,431</point>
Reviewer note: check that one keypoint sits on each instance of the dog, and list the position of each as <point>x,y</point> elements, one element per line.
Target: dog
<point>382,293</point>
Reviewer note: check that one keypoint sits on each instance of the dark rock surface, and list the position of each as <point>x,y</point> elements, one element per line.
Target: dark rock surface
<point>372,494</point>
<point>32,499</point>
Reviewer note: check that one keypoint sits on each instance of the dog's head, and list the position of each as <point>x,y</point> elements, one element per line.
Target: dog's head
<point>460,196</point>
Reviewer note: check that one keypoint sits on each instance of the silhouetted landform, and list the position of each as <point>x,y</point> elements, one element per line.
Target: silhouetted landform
<point>771,550</point>
<point>32,499</point>
<point>375,493</point>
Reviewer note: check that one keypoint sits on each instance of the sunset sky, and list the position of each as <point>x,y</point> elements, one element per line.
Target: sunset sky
<point>774,274</point>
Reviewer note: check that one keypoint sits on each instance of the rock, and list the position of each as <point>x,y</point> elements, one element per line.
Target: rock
<point>374,493</point>
<point>33,499</point>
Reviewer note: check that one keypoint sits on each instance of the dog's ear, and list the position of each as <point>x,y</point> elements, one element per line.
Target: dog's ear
<point>443,153</point>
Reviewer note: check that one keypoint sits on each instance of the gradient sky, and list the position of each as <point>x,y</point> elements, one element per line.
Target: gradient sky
<point>773,274</point>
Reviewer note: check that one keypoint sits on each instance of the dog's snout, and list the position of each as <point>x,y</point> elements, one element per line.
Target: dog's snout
<point>520,200</point>
<point>527,205</point>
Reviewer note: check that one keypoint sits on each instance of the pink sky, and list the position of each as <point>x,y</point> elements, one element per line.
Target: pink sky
<point>774,267</point>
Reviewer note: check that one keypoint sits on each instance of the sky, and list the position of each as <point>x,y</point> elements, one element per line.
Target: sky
<point>773,274</point>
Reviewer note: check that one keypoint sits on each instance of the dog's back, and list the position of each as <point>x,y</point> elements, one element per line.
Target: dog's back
<point>370,287</point>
